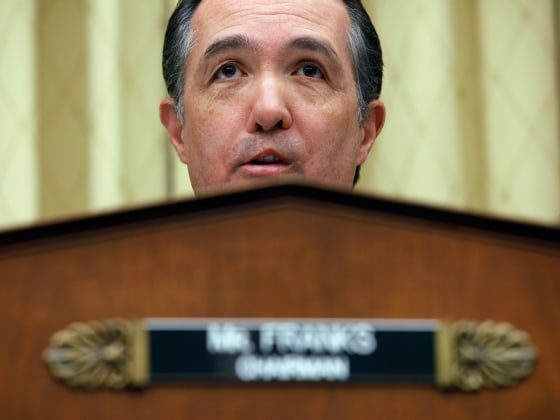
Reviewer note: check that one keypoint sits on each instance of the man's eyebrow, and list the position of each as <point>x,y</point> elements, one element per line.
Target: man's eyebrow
<point>312,44</point>
<point>235,42</point>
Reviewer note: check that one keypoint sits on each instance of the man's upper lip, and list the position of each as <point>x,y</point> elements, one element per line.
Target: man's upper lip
<point>268,153</point>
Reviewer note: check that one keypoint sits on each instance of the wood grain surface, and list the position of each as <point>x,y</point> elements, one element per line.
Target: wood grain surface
<point>283,258</point>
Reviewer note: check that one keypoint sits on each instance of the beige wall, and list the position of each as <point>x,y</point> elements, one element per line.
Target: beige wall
<point>471,90</point>
<point>472,96</point>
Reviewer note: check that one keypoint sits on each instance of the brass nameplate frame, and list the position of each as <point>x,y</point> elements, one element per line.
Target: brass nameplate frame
<point>121,354</point>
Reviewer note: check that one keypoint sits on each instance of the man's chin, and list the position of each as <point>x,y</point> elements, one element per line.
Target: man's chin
<point>248,184</point>
<point>245,184</point>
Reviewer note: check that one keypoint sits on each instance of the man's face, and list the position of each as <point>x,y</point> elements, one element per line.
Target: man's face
<point>270,94</point>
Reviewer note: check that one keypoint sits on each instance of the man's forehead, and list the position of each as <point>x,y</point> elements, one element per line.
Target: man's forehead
<point>216,14</point>
<point>243,42</point>
<point>284,4</point>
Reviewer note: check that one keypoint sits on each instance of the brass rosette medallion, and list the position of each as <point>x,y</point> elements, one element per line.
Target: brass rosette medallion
<point>472,356</point>
<point>492,355</point>
<point>95,355</point>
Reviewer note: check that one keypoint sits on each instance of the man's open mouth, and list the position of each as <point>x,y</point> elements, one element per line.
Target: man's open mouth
<point>267,160</point>
<point>267,163</point>
<point>267,157</point>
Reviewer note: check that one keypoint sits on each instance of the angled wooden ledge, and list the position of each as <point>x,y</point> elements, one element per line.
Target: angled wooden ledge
<point>287,251</point>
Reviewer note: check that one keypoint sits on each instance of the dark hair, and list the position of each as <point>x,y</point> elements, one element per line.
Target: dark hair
<point>362,40</point>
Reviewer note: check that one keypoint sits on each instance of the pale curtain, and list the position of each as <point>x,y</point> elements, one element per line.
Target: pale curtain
<point>471,89</point>
<point>472,96</point>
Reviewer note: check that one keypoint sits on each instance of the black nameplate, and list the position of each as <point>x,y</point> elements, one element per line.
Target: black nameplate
<point>292,350</point>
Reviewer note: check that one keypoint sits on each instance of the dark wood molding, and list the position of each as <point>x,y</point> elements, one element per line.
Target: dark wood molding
<point>284,193</point>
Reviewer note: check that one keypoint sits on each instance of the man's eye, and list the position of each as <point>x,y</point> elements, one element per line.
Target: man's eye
<point>228,71</point>
<point>311,70</point>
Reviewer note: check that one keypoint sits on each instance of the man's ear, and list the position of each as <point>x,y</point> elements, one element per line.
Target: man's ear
<point>371,127</point>
<point>169,118</point>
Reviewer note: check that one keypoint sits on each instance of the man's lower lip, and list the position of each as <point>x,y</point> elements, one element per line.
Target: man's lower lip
<point>272,169</point>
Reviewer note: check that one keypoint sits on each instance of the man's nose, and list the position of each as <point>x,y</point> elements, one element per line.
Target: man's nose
<point>269,107</point>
